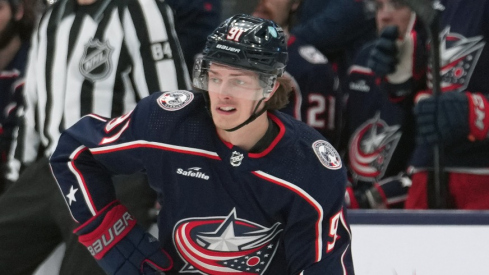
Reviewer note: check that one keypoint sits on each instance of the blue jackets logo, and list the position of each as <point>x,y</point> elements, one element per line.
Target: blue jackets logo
<point>95,63</point>
<point>371,148</point>
<point>459,57</point>
<point>225,245</point>
<point>193,172</point>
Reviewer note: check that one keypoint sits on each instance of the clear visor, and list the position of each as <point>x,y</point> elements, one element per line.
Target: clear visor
<point>231,81</point>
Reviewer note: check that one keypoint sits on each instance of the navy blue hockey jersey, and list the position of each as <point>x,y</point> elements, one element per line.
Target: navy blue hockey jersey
<point>380,132</point>
<point>464,32</point>
<point>380,128</point>
<point>315,93</point>
<point>223,210</point>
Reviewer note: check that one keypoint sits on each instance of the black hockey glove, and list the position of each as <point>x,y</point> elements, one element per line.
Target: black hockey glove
<point>393,60</point>
<point>452,117</point>
<point>121,246</point>
<point>383,57</point>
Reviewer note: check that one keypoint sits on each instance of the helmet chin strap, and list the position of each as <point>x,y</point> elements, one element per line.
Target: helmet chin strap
<point>251,118</point>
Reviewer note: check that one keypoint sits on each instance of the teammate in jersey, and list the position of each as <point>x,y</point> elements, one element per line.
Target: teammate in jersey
<point>17,19</point>
<point>379,121</point>
<point>461,124</point>
<point>315,84</point>
<point>243,188</point>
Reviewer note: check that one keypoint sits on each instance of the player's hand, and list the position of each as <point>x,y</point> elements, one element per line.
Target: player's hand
<point>459,116</point>
<point>392,59</point>
<point>121,246</point>
<point>379,195</point>
<point>452,117</point>
<point>383,57</point>
<point>369,198</point>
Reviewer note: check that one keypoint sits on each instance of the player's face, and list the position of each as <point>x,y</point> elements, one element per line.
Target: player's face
<point>233,95</point>
<point>276,10</point>
<point>393,12</point>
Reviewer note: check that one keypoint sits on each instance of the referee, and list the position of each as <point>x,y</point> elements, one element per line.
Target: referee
<point>87,56</point>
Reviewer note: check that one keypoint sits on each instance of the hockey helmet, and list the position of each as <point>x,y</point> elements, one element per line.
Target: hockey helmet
<point>248,43</point>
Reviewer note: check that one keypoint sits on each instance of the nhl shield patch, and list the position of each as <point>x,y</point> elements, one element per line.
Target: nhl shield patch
<point>175,100</point>
<point>95,63</point>
<point>327,154</point>
<point>236,159</point>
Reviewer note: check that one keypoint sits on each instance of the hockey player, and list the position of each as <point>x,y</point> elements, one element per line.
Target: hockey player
<point>461,124</point>
<point>17,19</point>
<point>242,188</point>
<point>315,84</point>
<point>379,119</point>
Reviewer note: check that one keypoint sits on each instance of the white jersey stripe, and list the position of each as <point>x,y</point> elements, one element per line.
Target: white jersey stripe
<point>75,81</point>
<point>156,145</point>
<point>58,82</point>
<point>105,87</point>
<point>81,181</point>
<point>133,45</point>
<point>157,33</point>
<point>41,86</point>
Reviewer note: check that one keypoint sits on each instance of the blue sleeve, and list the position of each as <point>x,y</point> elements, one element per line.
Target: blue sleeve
<point>317,237</point>
<point>333,254</point>
<point>90,152</point>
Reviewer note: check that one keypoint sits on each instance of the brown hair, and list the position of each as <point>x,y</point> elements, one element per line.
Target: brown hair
<point>281,96</point>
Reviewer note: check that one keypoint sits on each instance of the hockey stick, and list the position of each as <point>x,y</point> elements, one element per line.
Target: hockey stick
<point>428,12</point>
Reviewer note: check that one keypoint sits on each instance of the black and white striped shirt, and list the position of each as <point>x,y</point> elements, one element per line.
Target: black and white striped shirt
<point>99,58</point>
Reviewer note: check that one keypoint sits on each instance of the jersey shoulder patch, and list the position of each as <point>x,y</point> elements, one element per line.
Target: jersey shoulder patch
<point>327,154</point>
<point>175,100</point>
<point>312,55</point>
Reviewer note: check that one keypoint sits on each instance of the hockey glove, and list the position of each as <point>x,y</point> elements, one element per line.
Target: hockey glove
<point>120,245</point>
<point>383,57</point>
<point>388,193</point>
<point>452,117</point>
<point>369,198</point>
<point>393,59</point>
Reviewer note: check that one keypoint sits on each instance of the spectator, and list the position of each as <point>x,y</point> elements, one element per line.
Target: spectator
<point>17,19</point>
<point>86,57</point>
<point>194,21</point>
<point>461,124</point>
<point>242,188</point>
<point>314,80</point>
<point>379,121</point>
